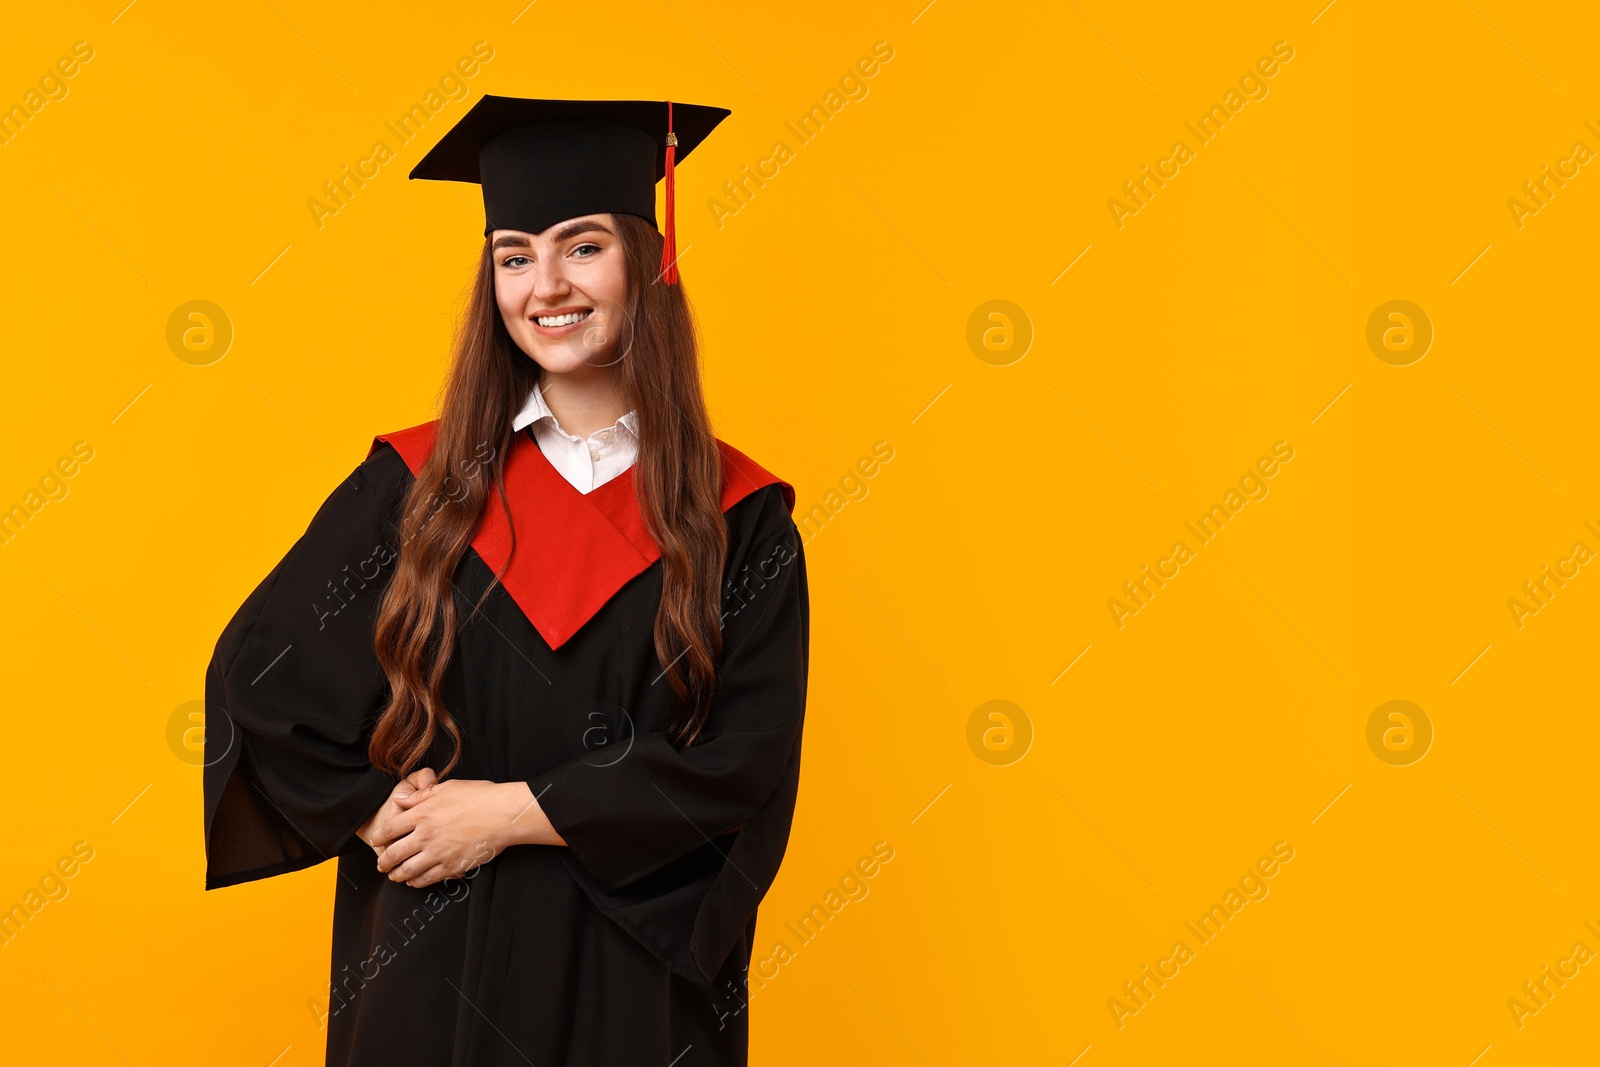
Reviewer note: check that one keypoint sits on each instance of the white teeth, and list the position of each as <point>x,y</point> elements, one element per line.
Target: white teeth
<point>561,320</point>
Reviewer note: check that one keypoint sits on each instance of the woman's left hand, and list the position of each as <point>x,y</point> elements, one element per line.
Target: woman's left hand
<point>449,828</point>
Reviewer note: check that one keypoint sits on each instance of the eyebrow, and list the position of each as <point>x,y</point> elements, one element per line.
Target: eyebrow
<point>516,240</point>
<point>587,226</point>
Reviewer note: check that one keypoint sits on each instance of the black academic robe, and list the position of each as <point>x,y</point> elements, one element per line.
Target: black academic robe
<point>629,946</point>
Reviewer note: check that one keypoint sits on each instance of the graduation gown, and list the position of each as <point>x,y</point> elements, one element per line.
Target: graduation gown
<point>628,946</point>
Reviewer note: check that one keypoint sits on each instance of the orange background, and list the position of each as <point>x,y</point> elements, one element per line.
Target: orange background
<point>1229,313</point>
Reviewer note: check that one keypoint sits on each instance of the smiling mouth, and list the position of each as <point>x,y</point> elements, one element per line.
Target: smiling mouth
<point>563,320</point>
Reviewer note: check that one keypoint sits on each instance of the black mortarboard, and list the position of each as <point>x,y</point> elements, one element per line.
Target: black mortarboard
<point>541,161</point>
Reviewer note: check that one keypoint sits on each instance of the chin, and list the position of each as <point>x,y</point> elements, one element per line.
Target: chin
<point>558,359</point>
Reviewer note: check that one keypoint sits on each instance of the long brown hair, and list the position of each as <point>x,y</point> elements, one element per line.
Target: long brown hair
<point>678,480</point>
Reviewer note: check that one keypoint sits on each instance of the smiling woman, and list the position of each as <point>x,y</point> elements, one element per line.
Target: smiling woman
<point>582,265</point>
<point>564,535</point>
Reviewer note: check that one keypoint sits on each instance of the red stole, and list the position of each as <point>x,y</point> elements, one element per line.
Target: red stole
<point>575,550</point>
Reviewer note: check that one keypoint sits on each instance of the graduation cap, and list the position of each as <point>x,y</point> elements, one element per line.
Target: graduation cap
<point>542,161</point>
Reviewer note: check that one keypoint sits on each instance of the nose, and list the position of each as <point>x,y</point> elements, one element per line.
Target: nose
<point>549,280</point>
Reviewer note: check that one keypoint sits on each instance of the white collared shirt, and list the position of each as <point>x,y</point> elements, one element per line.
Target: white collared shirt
<point>584,463</point>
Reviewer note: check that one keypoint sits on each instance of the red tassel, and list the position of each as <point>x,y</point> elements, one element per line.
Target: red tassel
<point>669,236</point>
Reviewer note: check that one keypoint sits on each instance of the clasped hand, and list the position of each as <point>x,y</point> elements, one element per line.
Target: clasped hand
<point>430,830</point>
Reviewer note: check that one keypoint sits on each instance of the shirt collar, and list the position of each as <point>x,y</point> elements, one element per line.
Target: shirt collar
<point>536,409</point>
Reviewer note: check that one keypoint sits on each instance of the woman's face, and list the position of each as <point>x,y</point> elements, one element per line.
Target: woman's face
<point>563,292</point>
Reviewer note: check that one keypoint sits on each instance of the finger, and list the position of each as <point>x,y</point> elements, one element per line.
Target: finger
<point>397,853</point>
<point>412,867</point>
<point>436,873</point>
<point>400,823</point>
<point>393,828</point>
<point>408,800</point>
<point>423,794</point>
<point>422,776</point>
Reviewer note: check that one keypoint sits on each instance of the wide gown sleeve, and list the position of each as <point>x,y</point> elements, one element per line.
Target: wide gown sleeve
<point>293,688</point>
<point>680,845</point>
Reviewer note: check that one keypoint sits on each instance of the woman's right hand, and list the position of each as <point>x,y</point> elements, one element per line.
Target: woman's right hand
<point>417,779</point>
